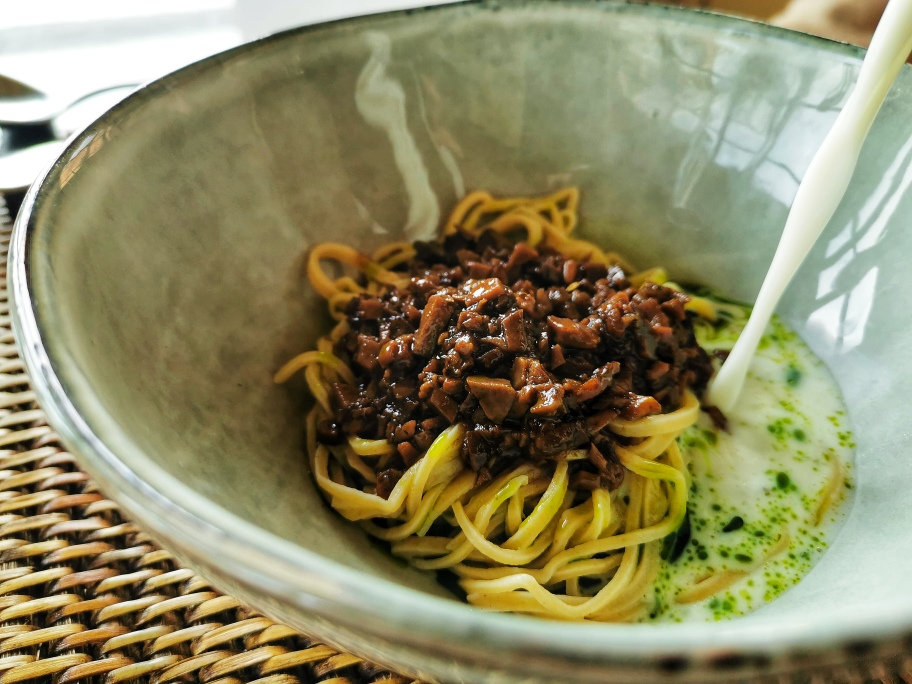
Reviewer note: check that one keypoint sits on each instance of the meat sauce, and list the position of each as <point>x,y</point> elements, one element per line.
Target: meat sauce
<point>532,351</point>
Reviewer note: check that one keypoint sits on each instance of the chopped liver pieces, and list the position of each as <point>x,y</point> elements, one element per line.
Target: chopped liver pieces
<point>534,352</point>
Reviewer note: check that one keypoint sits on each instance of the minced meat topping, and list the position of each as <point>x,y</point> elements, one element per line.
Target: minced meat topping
<point>532,351</point>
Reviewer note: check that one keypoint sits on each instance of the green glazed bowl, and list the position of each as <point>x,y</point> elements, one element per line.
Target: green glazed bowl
<point>157,276</point>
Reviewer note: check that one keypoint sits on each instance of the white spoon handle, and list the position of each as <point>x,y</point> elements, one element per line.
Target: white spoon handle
<point>821,189</point>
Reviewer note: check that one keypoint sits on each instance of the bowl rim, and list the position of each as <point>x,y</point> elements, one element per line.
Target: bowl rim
<point>271,565</point>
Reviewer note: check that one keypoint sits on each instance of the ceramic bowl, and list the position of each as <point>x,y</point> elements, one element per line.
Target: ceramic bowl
<point>157,275</point>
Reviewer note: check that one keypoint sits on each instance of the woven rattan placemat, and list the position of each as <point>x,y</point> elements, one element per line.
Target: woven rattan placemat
<point>87,597</point>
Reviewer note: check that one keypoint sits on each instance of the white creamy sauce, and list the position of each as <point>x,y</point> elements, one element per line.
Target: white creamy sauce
<point>380,99</point>
<point>823,186</point>
<point>758,489</point>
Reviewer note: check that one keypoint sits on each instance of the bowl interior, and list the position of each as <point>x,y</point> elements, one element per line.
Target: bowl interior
<point>166,249</point>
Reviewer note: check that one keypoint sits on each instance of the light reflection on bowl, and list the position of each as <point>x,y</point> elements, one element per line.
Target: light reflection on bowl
<point>157,282</point>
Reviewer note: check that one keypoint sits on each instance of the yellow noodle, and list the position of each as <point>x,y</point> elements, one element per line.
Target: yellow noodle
<point>493,490</point>
<point>830,491</point>
<point>303,360</point>
<point>570,522</point>
<point>445,448</point>
<point>543,512</point>
<point>370,447</point>
<point>455,490</point>
<point>655,275</point>
<point>411,525</point>
<point>314,379</point>
<point>663,423</point>
<point>460,547</point>
<point>356,463</point>
<point>526,541</point>
<point>393,254</point>
<point>349,256</point>
<point>702,307</point>
<point>515,512</point>
<point>722,580</point>
<point>710,586</point>
<point>495,552</point>
<point>458,215</point>
<point>600,519</point>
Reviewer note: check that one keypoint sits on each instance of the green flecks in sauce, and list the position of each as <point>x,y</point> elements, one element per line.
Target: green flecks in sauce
<point>755,492</point>
<point>780,429</point>
<point>792,375</point>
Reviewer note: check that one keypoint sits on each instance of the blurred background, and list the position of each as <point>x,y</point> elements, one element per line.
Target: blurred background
<point>70,47</point>
<point>756,8</point>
